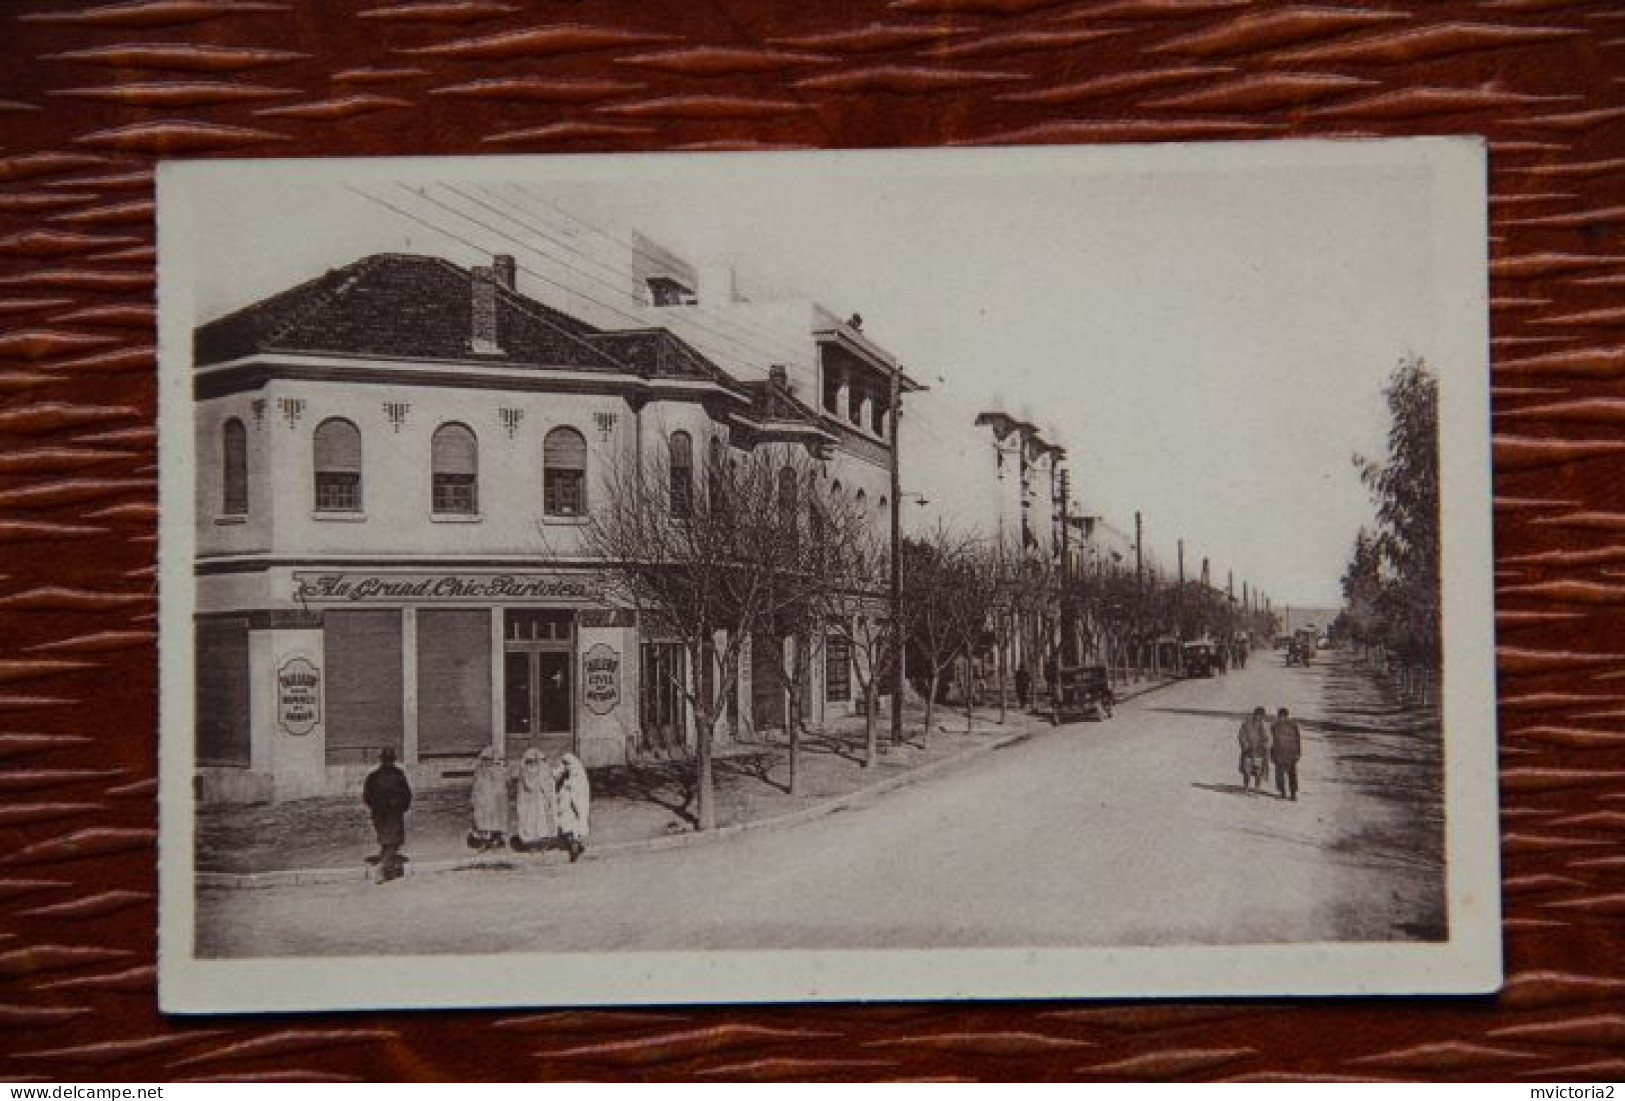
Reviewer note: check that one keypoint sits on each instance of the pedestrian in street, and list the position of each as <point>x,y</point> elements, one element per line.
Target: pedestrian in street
<point>387,796</point>
<point>574,803</point>
<point>1254,739</point>
<point>535,805</point>
<point>1024,685</point>
<point>1286,746</point>
<point>490,799</point>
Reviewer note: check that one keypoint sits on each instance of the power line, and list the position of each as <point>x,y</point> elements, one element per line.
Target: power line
<point>794,352</point>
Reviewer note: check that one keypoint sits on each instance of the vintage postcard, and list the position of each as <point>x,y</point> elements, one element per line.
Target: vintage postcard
<point>1017,573</point>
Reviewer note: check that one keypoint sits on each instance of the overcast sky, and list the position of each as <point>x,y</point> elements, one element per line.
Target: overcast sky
<point>1205,330</point>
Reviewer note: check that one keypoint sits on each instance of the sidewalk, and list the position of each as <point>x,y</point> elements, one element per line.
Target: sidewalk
<point>635,807</point>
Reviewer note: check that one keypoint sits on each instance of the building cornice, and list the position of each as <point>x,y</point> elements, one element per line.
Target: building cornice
<point>253,372</point>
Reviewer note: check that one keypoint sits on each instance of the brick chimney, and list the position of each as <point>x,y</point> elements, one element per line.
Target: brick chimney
<point>482,335</point>
<point>777,375</point>
<point>506,270</point>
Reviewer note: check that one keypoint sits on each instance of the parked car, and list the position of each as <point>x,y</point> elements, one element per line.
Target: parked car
<point>1199,659</point>
<point>1081,692</point>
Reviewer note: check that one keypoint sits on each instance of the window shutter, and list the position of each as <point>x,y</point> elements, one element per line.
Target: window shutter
<point>455,451</point>
<point>454,682</point>
<point>338,447</point>
<point>234,489</point>
<point>363,684</point>
<point>565,449</point>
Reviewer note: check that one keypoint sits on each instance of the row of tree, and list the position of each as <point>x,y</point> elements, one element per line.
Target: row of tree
<point>760,552</point>
<point>1391,587</point>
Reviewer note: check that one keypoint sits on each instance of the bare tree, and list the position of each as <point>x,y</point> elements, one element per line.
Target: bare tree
<point>812,560</point>
<point>936,568</point>
<point>707,565</point>
<point>857,612</point>
<point>976,595</point>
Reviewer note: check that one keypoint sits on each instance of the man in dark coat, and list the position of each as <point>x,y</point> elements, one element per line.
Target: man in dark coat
<point>1286,746</point>
<point>388,795</point>
<point>1024,685</point>
<point>1254,739</point>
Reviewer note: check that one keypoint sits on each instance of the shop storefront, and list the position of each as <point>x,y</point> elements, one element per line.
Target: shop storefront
<point>436,666</point>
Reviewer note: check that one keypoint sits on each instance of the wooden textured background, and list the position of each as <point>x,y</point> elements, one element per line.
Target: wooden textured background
<point>91,95</point>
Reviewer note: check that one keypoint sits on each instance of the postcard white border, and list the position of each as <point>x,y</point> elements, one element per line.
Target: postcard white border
<point>1469,962</point>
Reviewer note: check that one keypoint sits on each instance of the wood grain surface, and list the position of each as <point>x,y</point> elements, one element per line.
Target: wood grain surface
<point>91,95</point>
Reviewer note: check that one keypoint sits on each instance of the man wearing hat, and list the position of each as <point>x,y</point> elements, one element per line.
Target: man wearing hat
<point>388,795</point>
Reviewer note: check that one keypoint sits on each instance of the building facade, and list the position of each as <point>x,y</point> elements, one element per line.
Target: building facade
<point>396,461</point>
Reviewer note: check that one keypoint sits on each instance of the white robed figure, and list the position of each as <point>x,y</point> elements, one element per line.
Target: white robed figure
<point>574,803</point>
<point>537,826</point>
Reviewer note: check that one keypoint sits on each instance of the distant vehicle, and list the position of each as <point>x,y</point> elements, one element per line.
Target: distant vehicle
<point>1302,647</point>
<point>1199,659</point>
<point>1081,692</point>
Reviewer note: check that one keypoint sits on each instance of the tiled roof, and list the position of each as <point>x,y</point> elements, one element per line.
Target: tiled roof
<point>659,353</point>
<point>412,307</point>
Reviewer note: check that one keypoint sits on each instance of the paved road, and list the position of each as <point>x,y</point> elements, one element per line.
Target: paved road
<point>1131,831</point>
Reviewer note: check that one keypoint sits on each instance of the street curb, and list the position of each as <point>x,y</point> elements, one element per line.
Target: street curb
<point>304,876</point>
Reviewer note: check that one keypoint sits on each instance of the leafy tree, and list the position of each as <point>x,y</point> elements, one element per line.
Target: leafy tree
<point>1392,585</point>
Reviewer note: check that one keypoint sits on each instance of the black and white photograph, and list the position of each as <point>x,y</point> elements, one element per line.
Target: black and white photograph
<point>1004,573</point>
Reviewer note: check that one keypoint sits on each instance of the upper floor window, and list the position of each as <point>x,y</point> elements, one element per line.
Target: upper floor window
<point>666,291</point>
<point>455,470</point>
<point>564,473</point>
<point>682,475</point>
<point>234,485</point>
<point>714,474</point>
<point>338,466</point>
<point>787,501</point>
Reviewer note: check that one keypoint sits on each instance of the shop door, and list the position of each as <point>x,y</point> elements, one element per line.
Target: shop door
<point>538,680</point>
<point>766,683</point>
<point>661,730</point>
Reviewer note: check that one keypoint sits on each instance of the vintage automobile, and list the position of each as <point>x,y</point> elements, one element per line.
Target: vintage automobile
<point>1302,647</point>
<point>1081,692</point>
<point>1199,659</point>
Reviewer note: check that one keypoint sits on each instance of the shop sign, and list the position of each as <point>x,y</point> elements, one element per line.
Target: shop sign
<point>361,588</point>
<point>298,696</point>
<point>601,679</point>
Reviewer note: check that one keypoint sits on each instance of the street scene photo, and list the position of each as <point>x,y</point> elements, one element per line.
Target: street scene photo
<point>671,559</point>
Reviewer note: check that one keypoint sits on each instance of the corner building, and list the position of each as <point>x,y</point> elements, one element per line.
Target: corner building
<point>395,462</point>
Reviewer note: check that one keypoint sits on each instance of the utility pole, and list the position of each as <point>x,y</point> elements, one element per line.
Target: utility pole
<point>1139,557</point>
<point>896,557</point>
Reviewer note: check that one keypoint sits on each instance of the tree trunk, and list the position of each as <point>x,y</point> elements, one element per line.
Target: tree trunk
<point>871,730</point>
<point>931,698</point>
<point>970,690</point>
<point>794,721</point>
<point>704,791</point>
<point>1002,663</point>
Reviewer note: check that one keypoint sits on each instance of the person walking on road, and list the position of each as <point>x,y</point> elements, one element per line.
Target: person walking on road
<point>387,796</point>
<point>1254,739</point>
<point>574,803</point>
<point>490,798</point>
<point>537,826</point>
<point>1286,746</point>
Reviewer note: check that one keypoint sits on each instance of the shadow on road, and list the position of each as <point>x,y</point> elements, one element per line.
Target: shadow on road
<point>1228,789</point>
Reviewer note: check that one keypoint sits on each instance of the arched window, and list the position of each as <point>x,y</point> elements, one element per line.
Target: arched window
<point>338,466</point>
<point>234,467</point>
<point>862,500</point>
<point>564,473</point>
<point>455,470</point>
<point>681,447</point>
<point>714,474</point>
<point>787,499</point>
